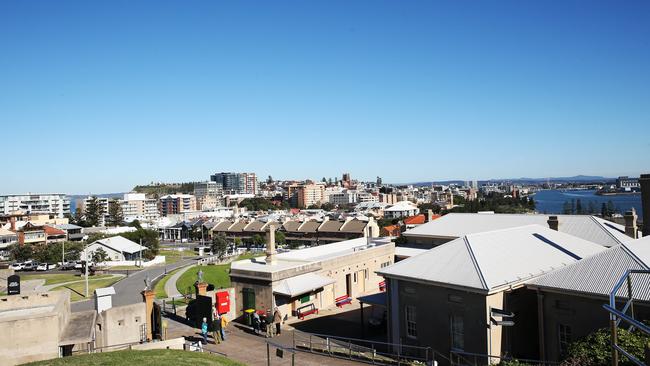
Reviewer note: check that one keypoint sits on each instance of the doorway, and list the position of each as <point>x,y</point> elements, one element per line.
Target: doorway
<point>348,284</point>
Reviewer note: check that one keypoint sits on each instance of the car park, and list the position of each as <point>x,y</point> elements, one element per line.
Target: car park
<point>45,267</point>
<point>29,266</point>
<point>17,266</point>
<point>68,266</point>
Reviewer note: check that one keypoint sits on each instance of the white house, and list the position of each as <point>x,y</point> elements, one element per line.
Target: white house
<point>117,248</point>
<point>401,209</point>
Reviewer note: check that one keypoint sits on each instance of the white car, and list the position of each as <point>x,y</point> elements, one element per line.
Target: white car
<point>16,266</point>
<point>28,266</point>
<point>45,267</point>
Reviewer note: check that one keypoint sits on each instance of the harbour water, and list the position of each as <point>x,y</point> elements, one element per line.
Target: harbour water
<point>552,201</point>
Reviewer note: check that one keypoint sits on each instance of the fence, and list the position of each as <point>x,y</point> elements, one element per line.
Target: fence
<point>637,283</point>
<point>376,353</point>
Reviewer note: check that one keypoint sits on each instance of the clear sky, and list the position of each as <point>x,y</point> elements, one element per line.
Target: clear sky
<point>100,96</point>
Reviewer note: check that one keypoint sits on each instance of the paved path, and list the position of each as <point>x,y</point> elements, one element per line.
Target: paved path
<point>128,291</point>
<point>170,285</point>
<point>250,349</point>
<point>45,288</point>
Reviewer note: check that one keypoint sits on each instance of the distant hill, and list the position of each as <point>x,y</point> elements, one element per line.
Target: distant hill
<point>573,179</point>
<point>161,189</point>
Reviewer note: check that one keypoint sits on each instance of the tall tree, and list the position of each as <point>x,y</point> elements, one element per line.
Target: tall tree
<point>93,211</point>
<point>115,214</point>
<point>220,245</point>
<point>99,256</point>
<point>78,218</point>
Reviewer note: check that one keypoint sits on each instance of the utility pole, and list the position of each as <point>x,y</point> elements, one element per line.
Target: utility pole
<point>140,252</point>
<point>86,269</point>
<point>62,253</point>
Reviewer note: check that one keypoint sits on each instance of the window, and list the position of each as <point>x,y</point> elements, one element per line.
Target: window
<point>411,326</point>
<point>564,337</point>
<point>457,331</point>
<point>355,277</point>
<point>385,264</point>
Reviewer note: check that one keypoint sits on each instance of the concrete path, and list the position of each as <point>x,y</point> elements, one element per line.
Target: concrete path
<point>170,285</point>
<point>44,288</point>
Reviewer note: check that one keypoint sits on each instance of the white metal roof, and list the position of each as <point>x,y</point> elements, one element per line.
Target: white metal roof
<point>402,206</point>
<point>408,252</point>
<point>587,227</point>
<point>121,244</point>
<point>597,275</point>
<point>491,260</point>
<point>105,291</point>
<point>302,284</point>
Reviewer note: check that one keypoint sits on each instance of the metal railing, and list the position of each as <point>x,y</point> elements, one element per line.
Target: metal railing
<point>363,350</point>
<point>462,358</point>
<point>626,313</point>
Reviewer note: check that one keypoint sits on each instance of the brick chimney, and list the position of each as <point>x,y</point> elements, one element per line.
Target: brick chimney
<point>12,222</point>
<point>645,202</point>
<point>553,223</point>
<point>630,223</point>
<point>429,215</point>
<point>270,244</point>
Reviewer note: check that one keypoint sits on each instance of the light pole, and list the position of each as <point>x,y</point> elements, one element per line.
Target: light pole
<point>86,269</point>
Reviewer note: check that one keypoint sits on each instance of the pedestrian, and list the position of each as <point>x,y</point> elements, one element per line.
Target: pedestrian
<point>216,328</point>
<point>204,330</point>
<point>224,324</point>
<point>277,319</point>
<point>268,319</point>
<point>256,322</point>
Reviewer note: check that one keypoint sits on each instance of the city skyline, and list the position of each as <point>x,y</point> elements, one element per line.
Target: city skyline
<point>108,96</point>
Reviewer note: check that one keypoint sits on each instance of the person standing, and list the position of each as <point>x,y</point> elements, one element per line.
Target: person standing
<point>270,330</point>
<point>224,324</point>
<point>277,319</point>
<point>256,323</point>
<point>216,328</point>
<point>204,330</point>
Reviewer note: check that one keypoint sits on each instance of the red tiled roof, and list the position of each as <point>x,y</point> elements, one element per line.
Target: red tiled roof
<point>53,231</point>
<point>417,219</point>
<point>392,230</point>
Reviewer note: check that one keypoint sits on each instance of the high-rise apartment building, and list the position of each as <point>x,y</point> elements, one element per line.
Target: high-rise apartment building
<point>55,203</point>
<point>136,206</point>
<point>236,183</point>
<point>172,204</point>
<point>208,194</point>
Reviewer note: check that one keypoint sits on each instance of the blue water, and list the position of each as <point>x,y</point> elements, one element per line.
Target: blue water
<point>552,201</point>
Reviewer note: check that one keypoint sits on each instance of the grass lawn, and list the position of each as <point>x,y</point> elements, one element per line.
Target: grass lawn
<point>78,289</point>
<point>141,358</point>
<point>173,256</point>
<point>53,279</point>
<point>123,268</point>
<point>216,275</point>
<point>159,289</point>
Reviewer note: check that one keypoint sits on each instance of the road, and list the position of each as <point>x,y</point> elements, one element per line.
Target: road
<point>128,291</point>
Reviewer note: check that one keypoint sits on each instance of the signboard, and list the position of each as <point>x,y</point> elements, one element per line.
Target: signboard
<point>505,317</point>
<point>279,352</point>
<point>13,285</point>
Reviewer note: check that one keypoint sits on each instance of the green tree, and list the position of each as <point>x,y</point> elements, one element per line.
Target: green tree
<point>595,349</point>
<point>220,245</point>
<point>78,218</point>
<point>603,210</point>
<point>93,212</point>
<point>280,238</point>
<point>579,209</point>
<point>237,242</point>
<point>611,208</point>
<point>99,255</point>
<point>566,208</point>
<point>22,252</point>
<point>115,214</point>
<point>149,238</point>
<point>257,240</point>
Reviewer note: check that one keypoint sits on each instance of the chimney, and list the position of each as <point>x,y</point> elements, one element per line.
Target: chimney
<point>429,215</point>
<point>644,180</point>
<point>270,244</point>
<point>553,223</point>
<point>12,222</point>
<point>630,223</point>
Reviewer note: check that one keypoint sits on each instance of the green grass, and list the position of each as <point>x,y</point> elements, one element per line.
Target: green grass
<point>53,279</point>
<point>78,289</point>
<point>173,256</point>
<point>159,289</point>
<point>216,275</point>
<point>141,358</point>
<point>122,268</point>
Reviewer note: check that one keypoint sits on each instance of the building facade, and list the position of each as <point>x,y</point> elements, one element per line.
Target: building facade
<point>172,204</point>
<point>55,203</point>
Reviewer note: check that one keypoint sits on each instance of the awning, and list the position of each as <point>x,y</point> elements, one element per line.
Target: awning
<point>378,299</point>
<point>302,284</point>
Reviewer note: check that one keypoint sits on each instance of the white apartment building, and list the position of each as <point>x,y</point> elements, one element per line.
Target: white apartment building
<point>136,206</point>
<point>344,197</point>
<point>367,197</point>
<point>52,203</point>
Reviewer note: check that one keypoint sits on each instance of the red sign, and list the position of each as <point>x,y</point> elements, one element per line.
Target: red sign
<point>223,302</point>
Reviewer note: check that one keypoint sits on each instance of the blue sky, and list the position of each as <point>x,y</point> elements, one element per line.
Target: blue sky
<point>100,96</point>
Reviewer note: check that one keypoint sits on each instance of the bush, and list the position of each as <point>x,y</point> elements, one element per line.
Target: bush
<point>595,350</point>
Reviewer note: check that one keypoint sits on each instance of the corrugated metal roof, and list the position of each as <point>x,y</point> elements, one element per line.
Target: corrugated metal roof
<point>597,275</point>
<point>491,260</point>
<point>586,227</point>
<point>331,226</point>
<point>354,226</point>
<point>291,225</point>
<point>309,227</point>
<point>301,284</point>
<point>222,226</point>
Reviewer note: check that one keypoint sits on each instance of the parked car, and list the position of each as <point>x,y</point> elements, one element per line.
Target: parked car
<point>16,266</point>
<point>78,265</point>
<point>45,267</point>
<point>68,266</point>
<point>29,266</point>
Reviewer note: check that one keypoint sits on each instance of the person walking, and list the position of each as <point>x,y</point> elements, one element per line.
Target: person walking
<point>256,323</point>
<point>224,324</point>
<point>216,328</point>
<point>268,319</point>
<point>204,330</point>
<point>277,319</point>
